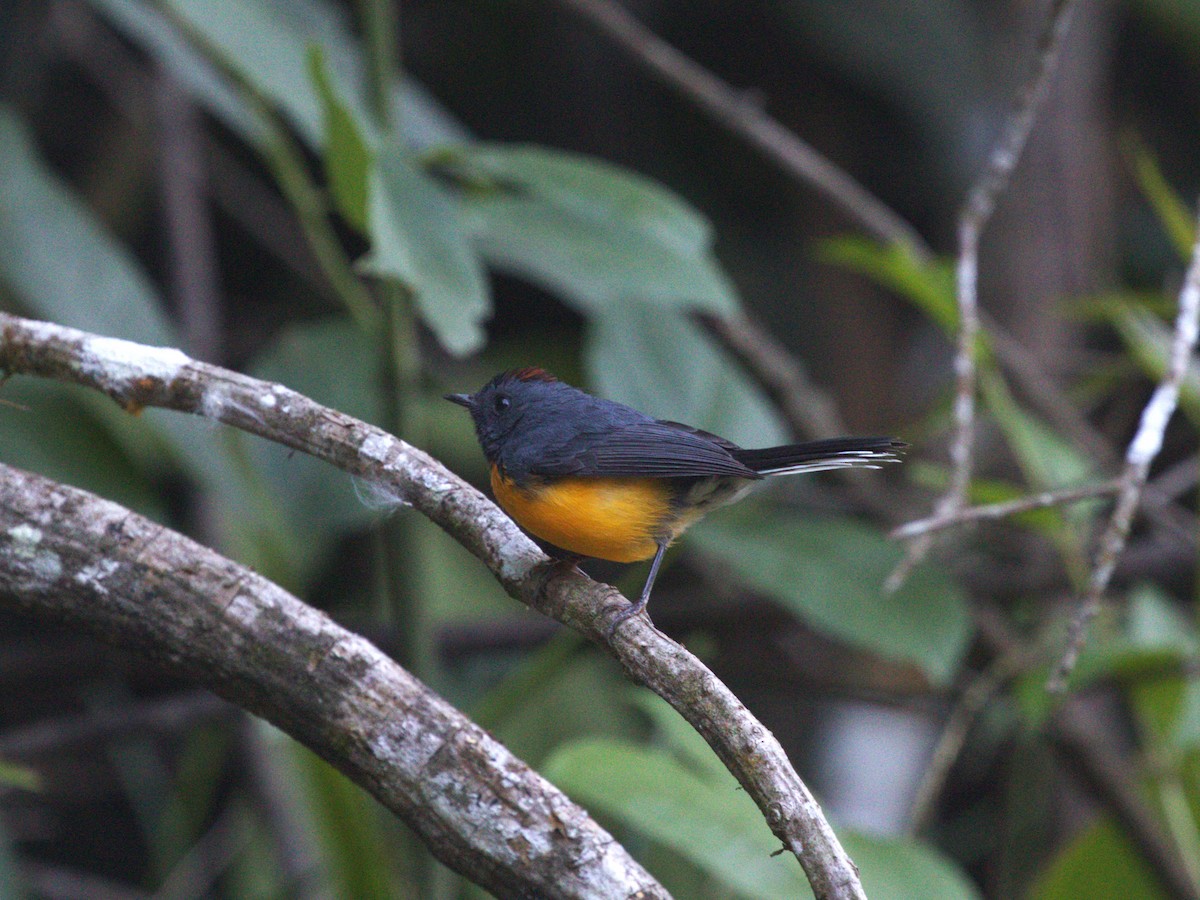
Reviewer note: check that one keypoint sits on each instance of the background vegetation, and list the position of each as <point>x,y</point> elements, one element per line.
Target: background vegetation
<point>377,204</point>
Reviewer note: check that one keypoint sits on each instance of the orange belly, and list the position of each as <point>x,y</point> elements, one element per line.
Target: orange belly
<point>607,518</point>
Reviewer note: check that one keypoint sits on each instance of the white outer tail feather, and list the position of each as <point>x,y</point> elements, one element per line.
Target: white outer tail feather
<point>850,459</point>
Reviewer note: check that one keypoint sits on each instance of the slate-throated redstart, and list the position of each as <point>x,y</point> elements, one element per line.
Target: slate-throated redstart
<point>600,479</point>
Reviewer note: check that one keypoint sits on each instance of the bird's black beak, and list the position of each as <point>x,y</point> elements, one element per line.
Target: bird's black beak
<point>461,399</point>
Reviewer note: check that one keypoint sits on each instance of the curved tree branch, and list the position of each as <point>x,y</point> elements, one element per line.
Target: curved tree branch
<point>68,555</point>
<point>137,376</point>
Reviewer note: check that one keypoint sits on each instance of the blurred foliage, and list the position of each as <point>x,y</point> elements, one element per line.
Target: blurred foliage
<point>418,259</point>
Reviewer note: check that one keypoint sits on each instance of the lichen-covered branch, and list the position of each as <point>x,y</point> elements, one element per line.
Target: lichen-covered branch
<point>73,557</point>
<point>974,217</point>
<point>1142,451</point>
<point>137,376</point>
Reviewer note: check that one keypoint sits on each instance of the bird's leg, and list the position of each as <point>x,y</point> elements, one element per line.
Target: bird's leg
<point>634,608</point>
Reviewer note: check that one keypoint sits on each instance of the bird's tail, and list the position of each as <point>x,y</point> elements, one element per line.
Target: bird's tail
<point>817,456</point>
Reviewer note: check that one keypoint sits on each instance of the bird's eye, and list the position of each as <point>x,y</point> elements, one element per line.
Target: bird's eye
<point>501,403</point>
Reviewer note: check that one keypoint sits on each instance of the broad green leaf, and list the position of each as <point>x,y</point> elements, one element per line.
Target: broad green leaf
<point>59,260</point>
<point>711,823</point>
<point>830,572</point>
<point>928,286</point>
<point>578,696</point>
<point>1047,460</point>
<point>1168,707</point>
<point>334,363</point>
<point>417,239</point>
<point>902,869</point>
<point>145,25</point>
<point>679,737</point>
<point>297,25</point>
<point>350,828</point>
<point>664,364</point>
<point>347,155</point>
<point>55,431</point>
<point>1177,220</point>
<point>265,45</point>
<point>64,267</point>
<point>704,817</point>
<point>1099,864</point>
<point>15,775</point>
<point>586,230</point>
<point>585,187</point>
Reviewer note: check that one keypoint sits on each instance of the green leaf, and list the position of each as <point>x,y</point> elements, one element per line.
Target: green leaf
<point>679,737</point>
<point>417,239</point>
<point>347,155</point>
<point>704,817</point>
<point>295,25</point>
<point>588,188</point>
<point>567,696</point>
<point>928,286</point>
<point>665,365</point>
<point>901,869</point>
<point>830,572</point>
<point>338,365</point>
<point>1047,460</point>
<point>55,431</point>
<point>588,231</point>
<point>265,45</point>
<point>64,267</point>
<point>1099,864</point>
<point>348,825</point>
<point>709,822</point>
<point>15,775</point>
<point>1177,220</point>
<point>62,264</point>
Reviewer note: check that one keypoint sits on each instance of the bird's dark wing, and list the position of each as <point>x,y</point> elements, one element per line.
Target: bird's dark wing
<point>650,448</point>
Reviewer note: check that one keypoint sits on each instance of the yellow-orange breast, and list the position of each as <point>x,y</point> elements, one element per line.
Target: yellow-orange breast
<point>607,518</point>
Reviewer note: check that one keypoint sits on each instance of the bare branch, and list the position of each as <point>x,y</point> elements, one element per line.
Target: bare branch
<point>807,409</point>
<point>1139,456</point>
<point>138,376</point>
<point>995,511</point>
<point>735,111</point>
<point>973,219</point>
<point>72,557</point>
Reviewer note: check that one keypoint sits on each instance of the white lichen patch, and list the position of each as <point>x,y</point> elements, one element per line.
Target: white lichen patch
<point>376,447</point>
<point>267,401</point>
<point>125,361</point>
<point>39,566</point>
<point>244,609</point>
<point>518,556</point>
<point>25,540</point>
<point>95,574</point>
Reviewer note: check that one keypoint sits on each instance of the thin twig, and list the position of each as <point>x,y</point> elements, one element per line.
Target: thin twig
<point>1003,510</point>
<point>796,158</point>
<point>807,409</point>
<point>191,242</point>
<point>1139,456</point>
<point>954,735</point>
<point>737,112</point>
<point>974,217</point>
<point>137,376</point>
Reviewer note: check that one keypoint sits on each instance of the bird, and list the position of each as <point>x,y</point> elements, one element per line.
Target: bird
<point>599,479</point>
